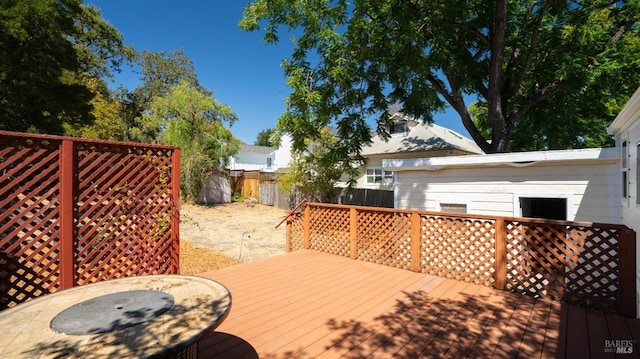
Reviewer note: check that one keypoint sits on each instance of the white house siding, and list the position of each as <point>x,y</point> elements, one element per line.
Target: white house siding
<point>590,188</point>
<point>282,155</point>
<point>376,161</point>
<point>252,158</point>
<point>626,127</point>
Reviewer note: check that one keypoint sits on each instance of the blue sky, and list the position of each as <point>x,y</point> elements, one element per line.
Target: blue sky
<point>238,66</point>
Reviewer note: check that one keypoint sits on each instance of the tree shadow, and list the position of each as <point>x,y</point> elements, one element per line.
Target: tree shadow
<point>414,143</point>
<point>424,326</point>
<point>180,327</point>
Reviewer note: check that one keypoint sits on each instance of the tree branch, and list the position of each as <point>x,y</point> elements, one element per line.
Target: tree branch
<point>532,48</point>
<point>538,96</point>
<point>623,27</point>
<point>456,101</point>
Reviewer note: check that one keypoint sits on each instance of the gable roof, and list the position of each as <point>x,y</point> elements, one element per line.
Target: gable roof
<point>246,149</point>
<point>421,137</point>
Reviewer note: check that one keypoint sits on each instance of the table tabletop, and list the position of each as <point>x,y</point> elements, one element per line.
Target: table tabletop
<point>199,305</point>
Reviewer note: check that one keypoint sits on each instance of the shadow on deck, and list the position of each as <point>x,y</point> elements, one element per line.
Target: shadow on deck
<point>308,304</point>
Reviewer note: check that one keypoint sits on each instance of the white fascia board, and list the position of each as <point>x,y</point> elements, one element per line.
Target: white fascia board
<point>627,115</point>
<point>516,159</point>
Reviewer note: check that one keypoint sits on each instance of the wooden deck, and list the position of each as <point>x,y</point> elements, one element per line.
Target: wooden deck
<point>307,304</point>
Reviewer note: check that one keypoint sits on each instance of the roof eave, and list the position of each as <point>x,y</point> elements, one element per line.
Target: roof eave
<point>626,115</point>
<point>517,159</point>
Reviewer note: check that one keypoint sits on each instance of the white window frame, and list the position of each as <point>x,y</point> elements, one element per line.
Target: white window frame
<point>517,211</point>
<point>384,175</point>
<point>624,171</point>
<point>393,132</point>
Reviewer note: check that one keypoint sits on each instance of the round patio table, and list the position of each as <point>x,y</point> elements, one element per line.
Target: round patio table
<point>142,317</point>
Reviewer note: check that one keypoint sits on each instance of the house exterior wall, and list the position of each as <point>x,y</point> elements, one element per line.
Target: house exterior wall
<point>251,161</point>
<point>589,188</point>
<point>375,161</point>
<point>626,128</point>
<point>282,155</point>
<point>631,205</point>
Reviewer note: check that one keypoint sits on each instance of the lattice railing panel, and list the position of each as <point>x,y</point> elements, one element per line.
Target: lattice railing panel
<point>117,203</point>
<point>384,238</point>
<point>123,213</point>
<point>582,263</point>
<point>578,264</point>
<point>29,232</point>
<point>330,230</point>
<point>297,231</point>
<point>458,248</point>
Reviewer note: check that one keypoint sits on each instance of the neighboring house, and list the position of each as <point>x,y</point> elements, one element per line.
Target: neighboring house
<point>410,138</point>
<point>282,155</point>
<point>262,158</point>
<point>253,158</point>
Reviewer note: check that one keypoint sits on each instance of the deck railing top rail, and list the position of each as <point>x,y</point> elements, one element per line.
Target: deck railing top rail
<point>472,216</point>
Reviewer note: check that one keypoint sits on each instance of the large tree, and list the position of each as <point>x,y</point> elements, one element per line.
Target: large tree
<point>46,50</point>
<point>518,60</point>
<point>160,71</point>
<point>106,110</point>
<point>195,121</point>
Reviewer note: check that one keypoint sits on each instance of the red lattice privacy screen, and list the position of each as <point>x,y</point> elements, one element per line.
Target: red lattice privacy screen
<point>584,263</point>
<point>77,211</point>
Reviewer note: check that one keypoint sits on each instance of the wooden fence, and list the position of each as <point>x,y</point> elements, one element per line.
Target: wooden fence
<point>77,211</point>
<point>583,263</point>
<point>364,197</point>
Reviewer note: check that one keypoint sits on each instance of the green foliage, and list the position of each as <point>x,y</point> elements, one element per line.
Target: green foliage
<point>46,49</point>
<point>160,72</point>
<point>193,121</point>
<point>99,46</point>
<point>520,60</point>
<point>266,138</point>
<point>314,172</point>
<point>106,111</point>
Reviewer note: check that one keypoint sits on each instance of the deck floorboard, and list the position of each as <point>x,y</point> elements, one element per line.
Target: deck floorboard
<point>308,304</point>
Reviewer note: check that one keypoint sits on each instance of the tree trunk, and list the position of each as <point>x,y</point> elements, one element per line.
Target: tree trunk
<point>500,136</point>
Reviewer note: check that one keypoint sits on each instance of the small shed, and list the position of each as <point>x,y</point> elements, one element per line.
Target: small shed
<point>575,185</point>
<point>216,189</point>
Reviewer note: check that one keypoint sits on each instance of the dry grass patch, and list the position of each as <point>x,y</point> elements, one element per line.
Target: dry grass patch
<point>195,260</point>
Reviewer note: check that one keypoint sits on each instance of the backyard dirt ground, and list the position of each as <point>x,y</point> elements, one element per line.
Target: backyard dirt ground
<point>234,230</point>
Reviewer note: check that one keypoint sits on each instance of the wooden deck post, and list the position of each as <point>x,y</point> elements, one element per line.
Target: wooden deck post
<point>287,245</point>
<point>306,227</point>
<point>67,180</point>
<point>175,211</point>
<point>415,241</point>
<point>500,254</point>
<point>353,233</point>
<point>627,255</point>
